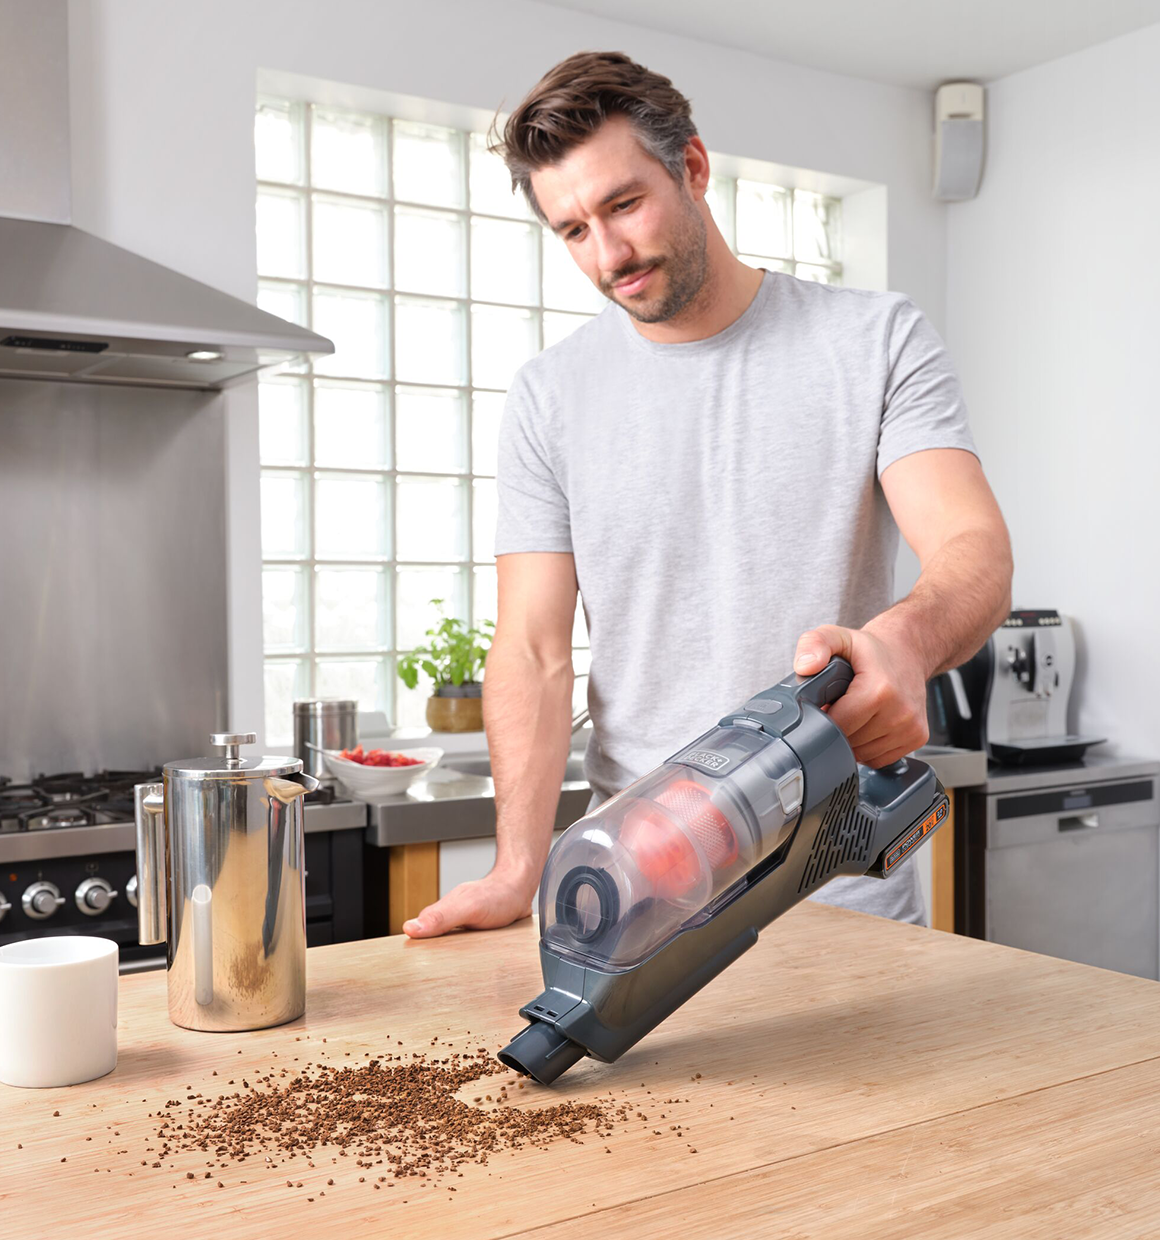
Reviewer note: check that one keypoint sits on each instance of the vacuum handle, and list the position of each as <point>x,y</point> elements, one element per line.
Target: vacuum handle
<point>825,686</point>
<point>779,709</point>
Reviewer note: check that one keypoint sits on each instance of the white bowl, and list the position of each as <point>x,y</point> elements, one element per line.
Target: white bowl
<point>370,782</point>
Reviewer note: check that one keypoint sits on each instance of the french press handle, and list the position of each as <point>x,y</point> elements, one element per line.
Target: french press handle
<point>231,742</point>
<point>149,814</point>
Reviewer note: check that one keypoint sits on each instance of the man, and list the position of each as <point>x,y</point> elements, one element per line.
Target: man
<point>721,461</point>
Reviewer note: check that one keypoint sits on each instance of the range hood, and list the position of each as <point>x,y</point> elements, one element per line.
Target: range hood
<point>75,307</point>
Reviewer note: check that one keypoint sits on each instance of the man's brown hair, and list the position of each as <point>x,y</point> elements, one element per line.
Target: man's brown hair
<point>570,103</point>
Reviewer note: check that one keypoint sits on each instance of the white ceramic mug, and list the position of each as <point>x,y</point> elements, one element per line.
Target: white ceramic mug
<point>58,1010</point>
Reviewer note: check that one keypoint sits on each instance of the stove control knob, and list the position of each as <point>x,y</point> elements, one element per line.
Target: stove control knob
<point>131,891</point>
<point>4,906</point>
<point>41,900</point>
<point>94,895</point>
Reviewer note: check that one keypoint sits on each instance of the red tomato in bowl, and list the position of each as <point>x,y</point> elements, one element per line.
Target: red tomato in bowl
<point>379,757</point>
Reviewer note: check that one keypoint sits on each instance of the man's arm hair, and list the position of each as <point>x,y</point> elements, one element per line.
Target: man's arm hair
<point>527,703</point>
<point>947,513</point>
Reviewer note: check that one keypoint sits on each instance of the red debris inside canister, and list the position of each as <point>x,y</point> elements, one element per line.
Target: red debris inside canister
<point>664,852</point>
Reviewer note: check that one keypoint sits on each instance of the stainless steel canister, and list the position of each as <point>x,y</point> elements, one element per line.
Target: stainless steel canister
<point>221,881</point>
<point>323,723</point>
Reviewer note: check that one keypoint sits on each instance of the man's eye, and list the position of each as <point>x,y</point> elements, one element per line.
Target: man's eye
<point>620,206</point>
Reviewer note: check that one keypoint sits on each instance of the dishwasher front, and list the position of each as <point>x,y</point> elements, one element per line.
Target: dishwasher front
<point>1065,861</point>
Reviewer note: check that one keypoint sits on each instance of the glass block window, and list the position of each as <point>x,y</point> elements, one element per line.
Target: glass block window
<point>791,230</point>
<point>403,243</point>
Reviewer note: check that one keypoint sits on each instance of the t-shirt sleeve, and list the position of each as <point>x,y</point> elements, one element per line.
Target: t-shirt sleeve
<point>923,406</point>
<point>532,507</point>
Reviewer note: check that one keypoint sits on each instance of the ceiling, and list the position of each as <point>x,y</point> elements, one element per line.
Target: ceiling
<point>919,43</point>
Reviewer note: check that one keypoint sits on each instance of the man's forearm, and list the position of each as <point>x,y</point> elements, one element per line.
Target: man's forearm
<point>527,706</point>
<point>962,596</point>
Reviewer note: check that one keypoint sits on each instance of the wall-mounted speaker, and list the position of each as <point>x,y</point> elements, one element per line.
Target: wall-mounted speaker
<point>958,141</point>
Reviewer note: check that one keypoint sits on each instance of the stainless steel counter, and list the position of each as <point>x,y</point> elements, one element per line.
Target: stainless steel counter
<point>455,805</point>
<point>1092,768</point>
<point>955,768</point>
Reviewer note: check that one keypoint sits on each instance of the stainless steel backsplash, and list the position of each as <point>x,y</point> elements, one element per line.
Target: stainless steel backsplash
<point>113,626</point>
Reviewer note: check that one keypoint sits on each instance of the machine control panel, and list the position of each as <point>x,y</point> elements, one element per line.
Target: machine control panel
<point>1032,620</point>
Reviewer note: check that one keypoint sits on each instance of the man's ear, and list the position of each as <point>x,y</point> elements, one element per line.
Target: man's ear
<point>697,167</point>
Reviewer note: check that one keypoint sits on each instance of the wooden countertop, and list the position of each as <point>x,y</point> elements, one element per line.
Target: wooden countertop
<point>858,1077</point>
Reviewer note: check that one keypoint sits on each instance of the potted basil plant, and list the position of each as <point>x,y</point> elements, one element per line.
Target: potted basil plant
<point>453,660</point>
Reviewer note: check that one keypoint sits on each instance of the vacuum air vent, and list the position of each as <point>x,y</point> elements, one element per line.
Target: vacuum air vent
<point>844,836</point>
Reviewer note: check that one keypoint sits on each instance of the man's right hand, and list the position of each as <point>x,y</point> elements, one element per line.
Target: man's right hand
<point>484,904</point>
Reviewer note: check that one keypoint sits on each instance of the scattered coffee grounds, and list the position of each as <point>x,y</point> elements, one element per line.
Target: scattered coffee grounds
<point>397,1113</point>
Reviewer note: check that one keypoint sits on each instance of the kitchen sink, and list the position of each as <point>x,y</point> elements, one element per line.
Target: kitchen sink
<point>573,770</point>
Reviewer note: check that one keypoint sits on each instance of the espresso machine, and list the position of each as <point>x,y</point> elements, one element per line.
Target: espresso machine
<point>221,881</point>
<point>1012,698</point>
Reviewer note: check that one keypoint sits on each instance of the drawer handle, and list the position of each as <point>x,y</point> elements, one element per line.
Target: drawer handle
<point>1080,822</point>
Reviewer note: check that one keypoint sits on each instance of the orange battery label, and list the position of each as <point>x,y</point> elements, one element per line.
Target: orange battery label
<point>915,835</point>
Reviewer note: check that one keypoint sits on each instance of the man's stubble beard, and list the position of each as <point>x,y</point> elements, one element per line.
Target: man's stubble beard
<point>686,266</point>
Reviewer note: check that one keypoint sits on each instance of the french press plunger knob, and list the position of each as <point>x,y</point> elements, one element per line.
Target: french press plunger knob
<point>231,742</point>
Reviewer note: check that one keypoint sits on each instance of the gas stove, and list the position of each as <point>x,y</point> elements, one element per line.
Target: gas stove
<point>68,862</point>
<point>51,802</point>
<point>69,800</point>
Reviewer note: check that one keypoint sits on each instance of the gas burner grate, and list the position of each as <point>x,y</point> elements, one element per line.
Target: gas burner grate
<point>116,780</point>
<point>61,815</point>
<point>15,798</point>
<point>65,786</point>
<point>70,799</point>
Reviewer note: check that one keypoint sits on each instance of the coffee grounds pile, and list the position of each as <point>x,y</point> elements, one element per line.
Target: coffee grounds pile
<point>396,1114</point>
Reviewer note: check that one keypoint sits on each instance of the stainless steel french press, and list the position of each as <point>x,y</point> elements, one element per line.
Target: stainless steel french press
<point>221,881</point>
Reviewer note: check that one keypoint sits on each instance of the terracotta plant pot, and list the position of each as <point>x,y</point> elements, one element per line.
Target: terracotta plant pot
<point>458,708</point>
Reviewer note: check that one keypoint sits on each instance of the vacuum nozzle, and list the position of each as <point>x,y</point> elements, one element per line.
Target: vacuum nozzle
<point>541,1052</point>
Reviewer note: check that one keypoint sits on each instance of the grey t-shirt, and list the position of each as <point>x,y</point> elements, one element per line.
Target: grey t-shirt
<point>720,497</point>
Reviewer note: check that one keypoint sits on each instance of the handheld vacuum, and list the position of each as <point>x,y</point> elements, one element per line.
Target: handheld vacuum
<point>650,896</point>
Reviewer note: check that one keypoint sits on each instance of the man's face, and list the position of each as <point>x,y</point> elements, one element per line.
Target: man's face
<point>633,231</point>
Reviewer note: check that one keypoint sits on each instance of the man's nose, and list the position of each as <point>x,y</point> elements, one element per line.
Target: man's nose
<point>613,251</point>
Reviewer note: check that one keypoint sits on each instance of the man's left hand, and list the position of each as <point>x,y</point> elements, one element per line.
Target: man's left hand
<point>883,712</point>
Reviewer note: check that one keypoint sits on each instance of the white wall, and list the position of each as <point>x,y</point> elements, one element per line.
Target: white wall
<point>1053,318</point>
<point>34,75</point>
<point>162,99</point>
